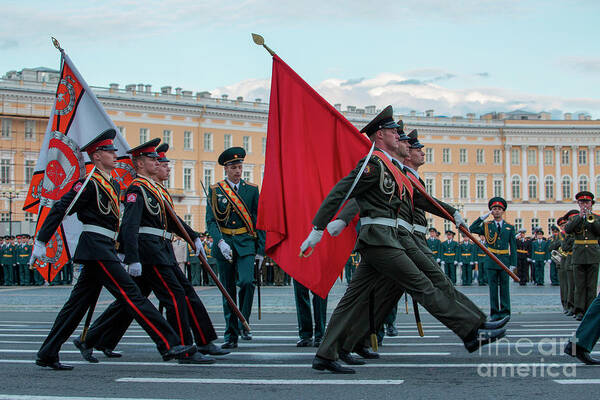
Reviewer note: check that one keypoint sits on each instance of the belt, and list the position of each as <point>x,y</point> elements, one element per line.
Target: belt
<point>521,251</point>
<point>589,241</point>
<point>497,251</point>
<point>481,254</point>
<point>449,254</point>
<point>233,232</point>
<point>100,230</point>
<point>465,254</point>
<point>420,228</point>
<point>392,222</point>
<point>434,251</point>
<point>569,253</point>
<point>156,232</point>
<point>543,252</point>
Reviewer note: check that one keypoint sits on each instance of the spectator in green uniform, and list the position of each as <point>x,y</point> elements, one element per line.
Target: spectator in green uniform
<point>305,318</point>
<point>434,244</point>
<point>465,260</point>
<point>23,253</point>
<point>540,255</point>
<point>554,244</point>
<point>449,259</point>
<point>481,260</point>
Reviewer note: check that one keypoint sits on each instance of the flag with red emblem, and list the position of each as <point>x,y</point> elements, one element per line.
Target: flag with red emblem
<point>76,118</point>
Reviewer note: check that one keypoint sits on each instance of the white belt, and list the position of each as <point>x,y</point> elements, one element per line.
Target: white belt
<point>100,230</point>
<point>156,232</point>
<point>393,222</point>
<point>420,228</point>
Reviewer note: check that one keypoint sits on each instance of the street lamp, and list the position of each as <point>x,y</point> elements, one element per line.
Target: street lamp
<point>10,194</point>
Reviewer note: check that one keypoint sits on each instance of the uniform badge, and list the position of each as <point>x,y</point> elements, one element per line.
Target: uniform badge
<point>77,186</point>
<point>368,170</point>
<point>131,197</point>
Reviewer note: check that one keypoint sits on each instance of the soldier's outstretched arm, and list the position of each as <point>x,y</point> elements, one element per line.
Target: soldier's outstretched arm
<point>477,226</point>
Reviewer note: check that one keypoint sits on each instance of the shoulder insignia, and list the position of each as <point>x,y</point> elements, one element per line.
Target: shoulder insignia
<point>131,197</point>
<point>77,186</point>
<point>368,170</point>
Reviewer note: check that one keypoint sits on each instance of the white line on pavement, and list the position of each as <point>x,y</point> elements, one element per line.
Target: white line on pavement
<point>29,397</point>
<point>260,354</point>
<point>267,381</point>
<point>578,381</point>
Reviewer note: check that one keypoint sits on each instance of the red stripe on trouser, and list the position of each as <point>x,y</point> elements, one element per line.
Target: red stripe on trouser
<point>150,324</point>
<point>174,303</point>
<point>195,320</point>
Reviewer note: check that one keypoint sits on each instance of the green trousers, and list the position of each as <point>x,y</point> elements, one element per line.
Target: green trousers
<point>305,317</point>
<point>586,286</point>
<point>467,274</point>
<point>538,267</point>
<point>196,270</point>
<point>498,282</point>
<point>588,332</point>
<point>554,279</point>
<point>24,275</point>
<point>9,275</point>
<point>571,288</point>
<point>450,270</point>
<point>562,279</point>
<point>239,273</point>
<point>481,273</point>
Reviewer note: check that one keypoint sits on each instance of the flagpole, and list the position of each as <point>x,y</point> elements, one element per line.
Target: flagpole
<point>259,40</point>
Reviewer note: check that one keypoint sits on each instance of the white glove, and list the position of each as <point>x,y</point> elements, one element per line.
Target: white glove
<point>199,247</point>
<point>471,263</point>
<point>260,259</point>
<point>443,262</point>
<point>529,260</point>
<point>225,250</point>
<point>336,227</point>
<point>455,262</point>
<point>438,260</point>
<point>311,241</point>
<point>134,269</point>
<point>39,251</point>
<point>460,264</point>
<point>121,256</point>
<point>484,216</point>
<point>459,220</point>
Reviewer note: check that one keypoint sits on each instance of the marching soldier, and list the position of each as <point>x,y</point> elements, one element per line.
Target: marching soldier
<point>554,244</point>
<point>585,228</point>
<point>305,320</point>
<point>231,221</point>
<point>434,244</point>
<point>98,209</point>
<point>449,251</point>
<point>523,257</point>
<point>586,336</point>
<point>562,272</point>
<point>481,262</point>
<point>567,246</point>
<point>465,260</point>
<point>500,238</point>
<point>540,256</point>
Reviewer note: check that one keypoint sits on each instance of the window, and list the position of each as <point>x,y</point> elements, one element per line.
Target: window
<point>462,156</point>
<point>187,179</point>
<point>247,144</point>
<point>29,166</point>
<point>518,223</point>
<point>429,186</point>
<point>551,223</point>
<point>247,175</point>
<point>566,187</point>
<point>264,145</point>
<point>514,156</point>
<point>597,186</point>
<point>208,141</point>
<point>480,186</point>
<point>548,157</point>
<point>564,157</point>
<point>209,177</point>
<point>549,187</point>
<point>498,187</point>
<point>4,216</point>
<point>583,183</point>
<point>187,218</point>
<point>30,130</point>
<point>516,187</point>
<point>6,127</point>
<point>167,137</point>
<point>428,155</point>
<point>167,183</point>
<point>463,185</point>
<point>531,157</point>
<point>535,223</point>
<point>4,171</point>
<point>187,140</point>
<point>497,157</point>
<point>227,141</point>
<point>29,217</point>
<point>430,222</point>
<point>121,130</point>
<point>532,187</point>
<point>446,188</point>
<point>143,135</point>
<point>447,227</point>
<point>480,157</point>
<point>446,155</point>
<point>597,157</point>
<point>582,157</point>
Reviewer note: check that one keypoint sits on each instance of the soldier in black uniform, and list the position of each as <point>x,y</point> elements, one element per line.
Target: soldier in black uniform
<point>523,257</point>
<point>145,210</point>
<point>98,209</point>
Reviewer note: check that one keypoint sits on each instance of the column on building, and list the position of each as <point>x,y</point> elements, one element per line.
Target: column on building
<point>507,148</point>
<point>524,177</point>
<point>542,192</point>
<point>558,180</point>
<point>592,160</point>
<point>575,187</point>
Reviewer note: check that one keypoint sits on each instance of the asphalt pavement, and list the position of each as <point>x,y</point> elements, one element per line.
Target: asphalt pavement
<point>528,363</point>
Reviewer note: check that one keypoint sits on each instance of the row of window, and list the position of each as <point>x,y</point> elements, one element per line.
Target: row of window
<point>208,178</point>
<point>208,142</point>
<point>6,128</point>
<point>515,156</point>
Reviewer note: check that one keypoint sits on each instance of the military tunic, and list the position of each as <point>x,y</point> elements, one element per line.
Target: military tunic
<point>540,255</point>
<point>465,261</point>
<point>449,249</point>
<point>554,244</point>
<point>481,259</point>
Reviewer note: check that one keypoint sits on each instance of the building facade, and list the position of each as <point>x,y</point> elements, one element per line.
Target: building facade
<point>537,164</point>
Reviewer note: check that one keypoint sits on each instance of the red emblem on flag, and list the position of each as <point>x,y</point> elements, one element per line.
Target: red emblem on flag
<point>131,197</point>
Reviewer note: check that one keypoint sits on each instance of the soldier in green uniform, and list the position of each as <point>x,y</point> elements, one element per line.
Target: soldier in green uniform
<point>585,228</point>
<point>23,253</point>
<point>540,255</point>
<point>434,244</point>
<point>207,280</point>
<point>351,265</point>
<point>231,221</point>
<point>586,336</point>
<point>195,268</point>
<point>567,264</point>
<point>554,244</point>
<point>560,267</point>
<point>465,260</point>
<point>480,262</point>
<point>8,262</point>
<point>449,250</point>
<point>500,238</point>
<point>305,319</point>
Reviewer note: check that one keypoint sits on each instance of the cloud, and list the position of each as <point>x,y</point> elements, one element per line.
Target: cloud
<point>586,65</point>
<point>6,44</point>
<point>406,93</point>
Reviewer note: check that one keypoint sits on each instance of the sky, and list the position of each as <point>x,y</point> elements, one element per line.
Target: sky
<point>454,57</point>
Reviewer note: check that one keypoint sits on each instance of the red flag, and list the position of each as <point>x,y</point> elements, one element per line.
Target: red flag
<point>310,147</point>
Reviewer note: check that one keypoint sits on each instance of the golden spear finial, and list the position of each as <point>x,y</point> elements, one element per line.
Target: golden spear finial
<point>259,40</point>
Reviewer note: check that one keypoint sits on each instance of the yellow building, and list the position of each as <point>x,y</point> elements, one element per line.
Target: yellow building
<point>537,164</point>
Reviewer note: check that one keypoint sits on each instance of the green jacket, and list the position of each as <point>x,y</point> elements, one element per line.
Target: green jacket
<point>227,219</point>
<point>585,235</point>
<point>467,253</point>
<point>435,245</point>
<point>23,254</point>
<point>539,250</point>
<point>566,245</point>
<point>502,244</point>
<point>8,255</point>
<point>449,251</point>
<point>480,256</point>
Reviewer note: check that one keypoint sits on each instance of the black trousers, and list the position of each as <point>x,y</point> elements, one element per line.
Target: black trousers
<point>113,277</point>
<point>523,270</point>
<point>108,329</point>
